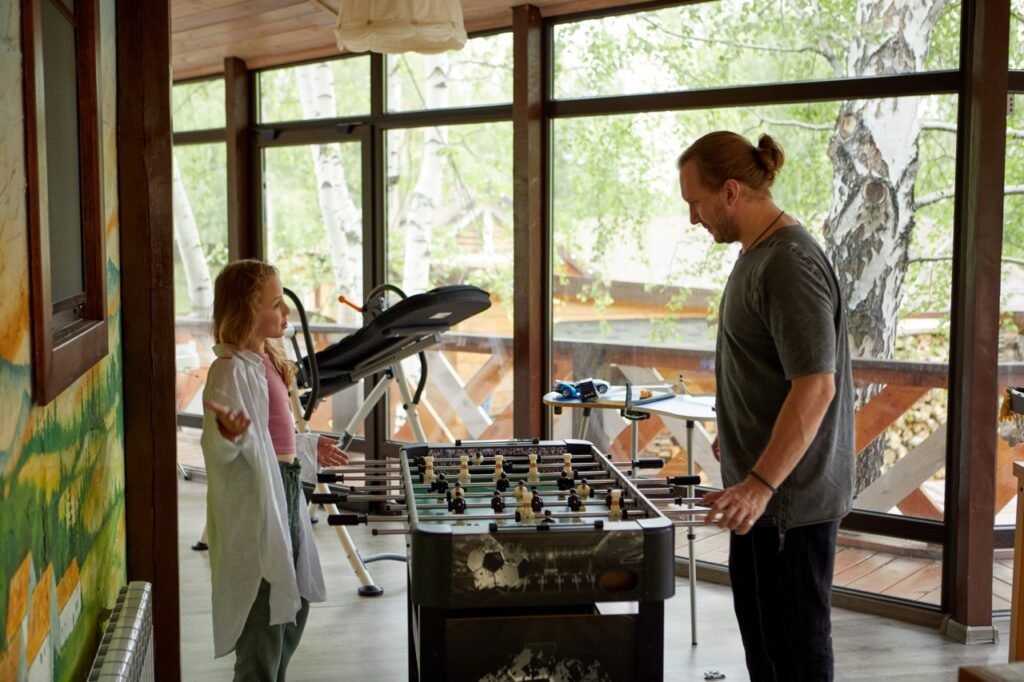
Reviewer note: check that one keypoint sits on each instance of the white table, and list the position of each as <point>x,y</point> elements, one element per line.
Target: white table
<point>686,407</point>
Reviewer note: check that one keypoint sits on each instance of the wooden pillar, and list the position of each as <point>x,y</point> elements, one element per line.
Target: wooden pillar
<point>532,252</point>
<point>245,238</point>
<point>978,242</point>
<point>147,312</point>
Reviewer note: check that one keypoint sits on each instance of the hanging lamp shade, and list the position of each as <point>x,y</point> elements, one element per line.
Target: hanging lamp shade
<point>393,26</point>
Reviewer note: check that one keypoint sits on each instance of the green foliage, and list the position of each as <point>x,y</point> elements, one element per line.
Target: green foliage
<point>478,75</point>
<point>198,105</point>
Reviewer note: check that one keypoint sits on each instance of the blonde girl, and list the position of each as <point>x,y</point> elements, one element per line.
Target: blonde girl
<point>264,563</point>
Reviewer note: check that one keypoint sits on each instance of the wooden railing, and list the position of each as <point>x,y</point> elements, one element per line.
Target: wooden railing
<point>451,407</point>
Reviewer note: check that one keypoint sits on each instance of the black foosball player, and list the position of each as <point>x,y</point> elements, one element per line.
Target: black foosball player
<point>502,483</point>
<point>458,503</point>
<point>548,518</point>
<point>440,484</point>
<point>574,501</point>
<point>498,502</point>
<point>536,504</point>
<point>565,481</point>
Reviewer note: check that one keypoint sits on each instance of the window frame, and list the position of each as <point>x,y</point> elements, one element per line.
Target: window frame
<point>68,341</point>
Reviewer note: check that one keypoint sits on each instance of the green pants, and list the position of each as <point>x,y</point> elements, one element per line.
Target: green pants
<point>263,650</point>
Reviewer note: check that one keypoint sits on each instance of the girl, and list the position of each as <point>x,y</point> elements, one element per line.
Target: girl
<point>264,563</point>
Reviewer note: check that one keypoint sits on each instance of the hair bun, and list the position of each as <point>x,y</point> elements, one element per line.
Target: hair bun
<point>770,154</point>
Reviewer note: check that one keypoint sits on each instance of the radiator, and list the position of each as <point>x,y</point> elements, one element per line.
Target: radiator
<point>126,649</point>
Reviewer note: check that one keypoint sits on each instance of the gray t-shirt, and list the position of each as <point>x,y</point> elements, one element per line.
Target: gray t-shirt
<point>782,317</point>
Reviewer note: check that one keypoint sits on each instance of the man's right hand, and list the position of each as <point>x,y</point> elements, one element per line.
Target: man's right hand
<point>715,451</point>
<point>230,423</point>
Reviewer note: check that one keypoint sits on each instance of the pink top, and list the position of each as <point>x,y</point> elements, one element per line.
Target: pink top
<point>281,422</point>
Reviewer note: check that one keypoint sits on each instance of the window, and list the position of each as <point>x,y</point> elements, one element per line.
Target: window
<point>66,235</point>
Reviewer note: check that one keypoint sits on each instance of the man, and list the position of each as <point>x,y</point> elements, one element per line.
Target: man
<point>785,409</point>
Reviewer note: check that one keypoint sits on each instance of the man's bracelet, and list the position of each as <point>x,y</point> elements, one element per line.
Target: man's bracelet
<point>761,478</point>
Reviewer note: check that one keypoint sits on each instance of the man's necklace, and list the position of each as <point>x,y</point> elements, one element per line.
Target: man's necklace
<point>763,232</point>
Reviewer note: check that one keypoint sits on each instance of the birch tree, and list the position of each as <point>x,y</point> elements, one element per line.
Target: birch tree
<point>419,217</point>
<point>341,218</point>
<point>190,247</point>
<point>874,153</point>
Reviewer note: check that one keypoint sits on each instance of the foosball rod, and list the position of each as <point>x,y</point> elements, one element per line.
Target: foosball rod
<point>626,502</point>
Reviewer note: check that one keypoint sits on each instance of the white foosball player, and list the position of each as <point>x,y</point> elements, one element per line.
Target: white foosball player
<point>499,467</point>
<point>464,469</point>
<point>567,464</point>
<point>428,469</point>
<point>533,474</point>
<point>615,506</point>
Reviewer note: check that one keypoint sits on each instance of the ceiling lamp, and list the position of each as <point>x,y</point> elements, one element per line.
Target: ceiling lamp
<point>392,26</point>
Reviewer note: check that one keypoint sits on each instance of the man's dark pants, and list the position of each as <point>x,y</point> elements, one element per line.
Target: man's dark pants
<point>782,597</point>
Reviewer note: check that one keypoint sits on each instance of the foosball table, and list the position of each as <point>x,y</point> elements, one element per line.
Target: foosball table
<point>513,549</point>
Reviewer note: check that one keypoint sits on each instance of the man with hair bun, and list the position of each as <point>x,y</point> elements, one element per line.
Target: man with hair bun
<point>784,401</point>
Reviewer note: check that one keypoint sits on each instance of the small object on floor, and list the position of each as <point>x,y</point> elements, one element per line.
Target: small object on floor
<point>200,546</point>
<point>714,675</point>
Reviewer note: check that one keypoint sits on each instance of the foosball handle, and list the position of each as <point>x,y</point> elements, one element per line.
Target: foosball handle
<point>327,498</point>
<point>683,480</point>
<point>330,477</point>
<point>650,463</point>
<point>345,519</point>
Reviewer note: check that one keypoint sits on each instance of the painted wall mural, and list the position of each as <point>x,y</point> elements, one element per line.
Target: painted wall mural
<point>62,526</point>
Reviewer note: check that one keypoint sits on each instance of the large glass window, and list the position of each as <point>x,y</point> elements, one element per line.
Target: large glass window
<point>478,74</point>
<point>199,204</point>
<point>745,42</point>
<point>1017,34</point>
<point>449,221</point>
<point>331,89</point>
<point>636,287</point>
<point>313,229</point>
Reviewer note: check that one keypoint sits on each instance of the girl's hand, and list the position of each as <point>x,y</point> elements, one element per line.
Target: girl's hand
<point>231,423</point>
<point>328,454</point>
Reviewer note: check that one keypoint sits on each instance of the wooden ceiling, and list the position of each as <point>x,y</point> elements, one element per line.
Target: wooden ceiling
<point>270,32</point>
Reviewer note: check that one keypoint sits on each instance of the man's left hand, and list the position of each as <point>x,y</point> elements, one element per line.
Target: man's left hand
<point>737,508</point>
<point>328,454</point>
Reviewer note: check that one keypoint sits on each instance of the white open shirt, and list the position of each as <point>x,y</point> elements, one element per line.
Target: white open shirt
<point>246,509</point>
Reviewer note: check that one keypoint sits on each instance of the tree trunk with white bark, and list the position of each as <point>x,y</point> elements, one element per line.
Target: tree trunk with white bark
<point>190,247</point>
<point>342,219</point>
<point>874,153</point>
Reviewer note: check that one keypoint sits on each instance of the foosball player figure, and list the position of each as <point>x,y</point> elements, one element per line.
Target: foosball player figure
<point>567,464</point>
<point>458,503</point>
<point>566,481</point>
<point>525,513</point>
<point>498,502</point>
<point>499,467</point>
<point>548,518</point>
<point>464,468</point>
<point>574,501</point>
<point>536,502</point>
<point>521,493</point>
<point>583,490</point>
<point>533,474</point>
<point>502,483</point>
<point>440,484</point>
<point>478,457</point>
<point>428,469</point>
<point>614,505</point>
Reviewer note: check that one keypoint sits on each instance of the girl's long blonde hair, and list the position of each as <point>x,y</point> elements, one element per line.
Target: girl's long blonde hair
<point>237,298</point>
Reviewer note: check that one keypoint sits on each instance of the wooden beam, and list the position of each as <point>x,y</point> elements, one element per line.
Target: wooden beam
<point>147,311</point>
<point>904,477</point>
<point>245,239</point>
<point>974,343</point>
<point>884,409</point>
<point>531,309</point>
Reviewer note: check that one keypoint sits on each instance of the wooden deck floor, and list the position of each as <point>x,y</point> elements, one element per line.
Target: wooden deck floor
<point>359,639</point>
